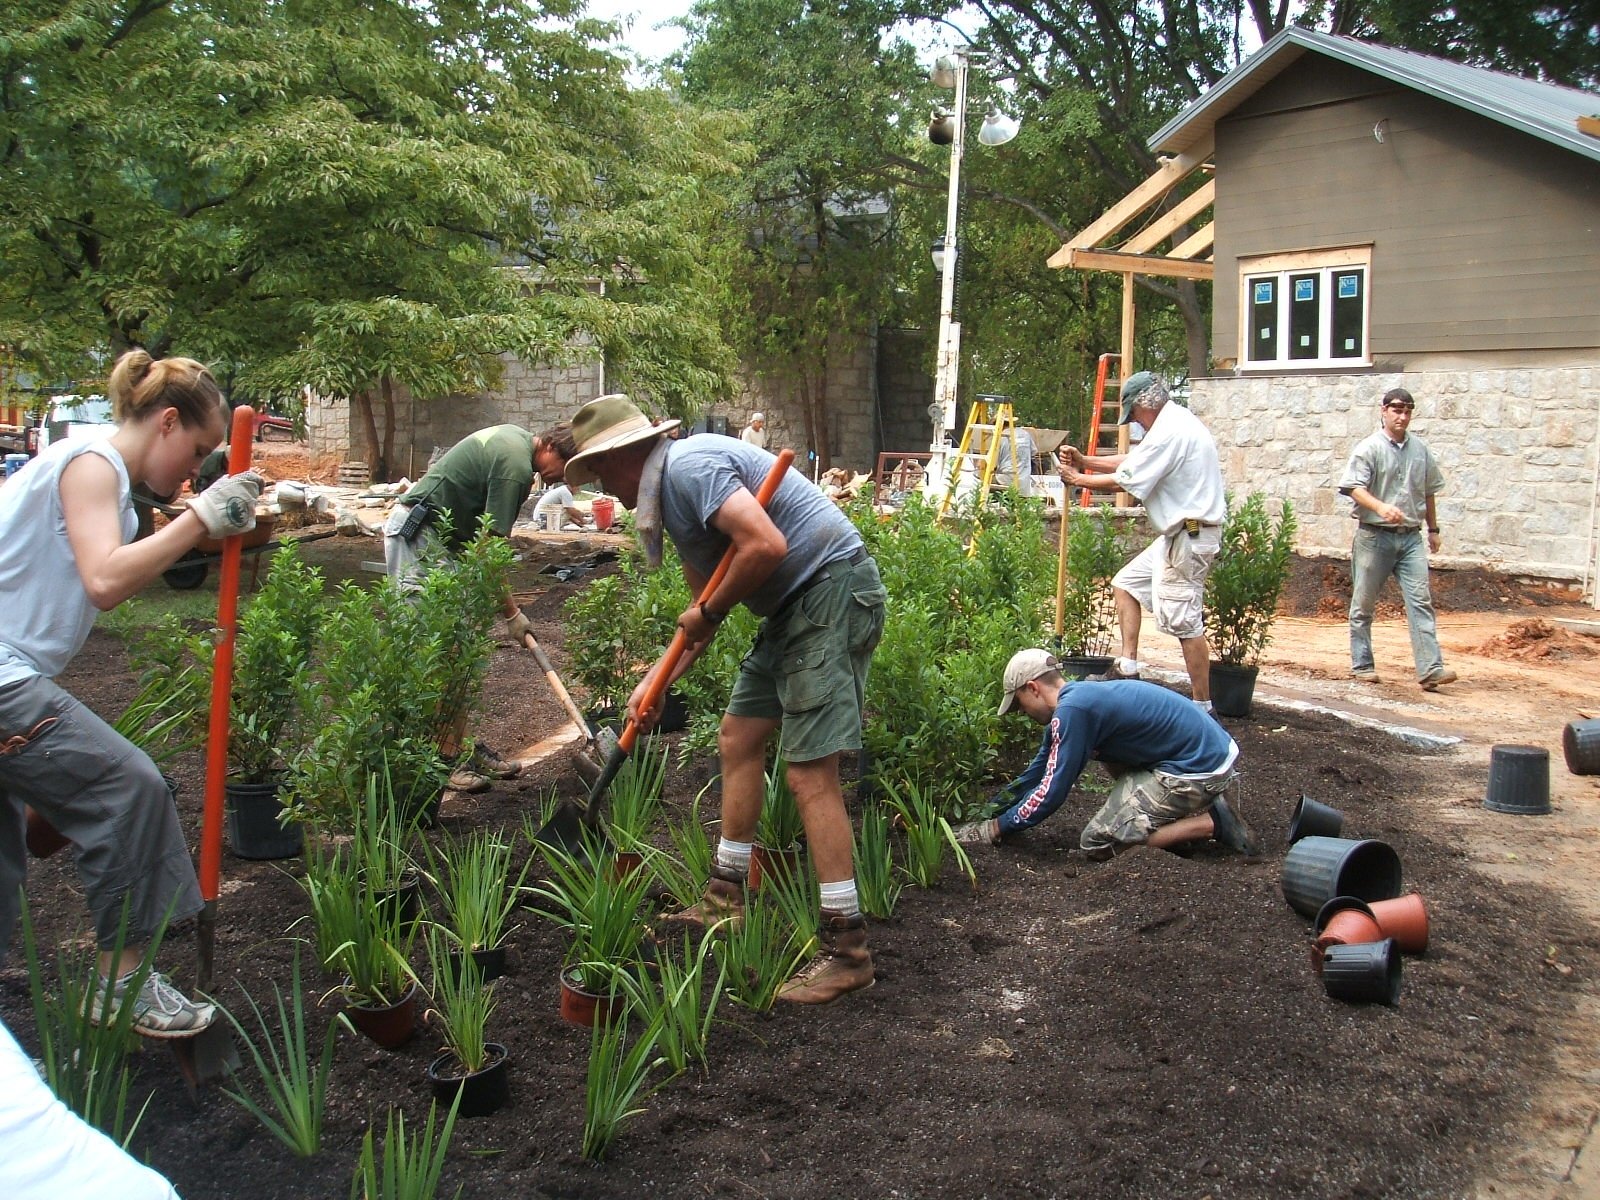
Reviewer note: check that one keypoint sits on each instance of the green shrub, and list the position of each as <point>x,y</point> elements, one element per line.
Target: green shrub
<point>1247,580</point>
<point>271,655</point>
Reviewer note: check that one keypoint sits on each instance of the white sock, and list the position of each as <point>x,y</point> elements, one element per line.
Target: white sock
<point>841,897</point>
<point>1202,705</point>
<point>1128,666</point>
<point>734,856</point>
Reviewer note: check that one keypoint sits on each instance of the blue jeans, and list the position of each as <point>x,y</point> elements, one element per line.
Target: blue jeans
<point>1376,555</point>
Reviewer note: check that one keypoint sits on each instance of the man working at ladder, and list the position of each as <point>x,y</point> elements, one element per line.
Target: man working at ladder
<point>1175,474</point>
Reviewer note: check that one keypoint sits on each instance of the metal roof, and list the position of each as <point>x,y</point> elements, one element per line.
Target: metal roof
<point>1546,111</point>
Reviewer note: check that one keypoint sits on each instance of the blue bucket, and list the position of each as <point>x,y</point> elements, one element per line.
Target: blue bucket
<point>15,463</point>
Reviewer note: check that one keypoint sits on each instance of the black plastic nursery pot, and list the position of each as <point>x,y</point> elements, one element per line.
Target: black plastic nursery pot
<point>406,899</point>
<point>1316,869</point>
<point>254,828</point>
<point>1363,972</point>
<point>1519,780</point>
<point>1580,743</point>
<point>1311,819</point>
<point>1233,688</point>
<point>1081,666</point>
<point>491,963</point>
<point>483,1092</point>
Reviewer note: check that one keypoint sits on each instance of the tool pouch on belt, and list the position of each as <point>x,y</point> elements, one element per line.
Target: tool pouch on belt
<point>1191,526</point>
<point>419,516</point>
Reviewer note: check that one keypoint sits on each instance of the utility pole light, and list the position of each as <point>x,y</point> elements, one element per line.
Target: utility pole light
<point>949,127</point>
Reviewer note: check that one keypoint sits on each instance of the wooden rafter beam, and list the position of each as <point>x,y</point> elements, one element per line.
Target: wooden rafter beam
<point>1166,177</point>
<point>1181,213</point>
<point>1137,264</point>
<point>1198,243</point>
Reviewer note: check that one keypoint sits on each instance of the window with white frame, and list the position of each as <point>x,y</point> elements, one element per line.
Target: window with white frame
<point>1306,309</point>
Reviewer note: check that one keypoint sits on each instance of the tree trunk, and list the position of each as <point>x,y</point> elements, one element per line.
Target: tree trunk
<point>819,399</point>
<point>807,411</point>
<point>369,431</point>
<point>386,457</point>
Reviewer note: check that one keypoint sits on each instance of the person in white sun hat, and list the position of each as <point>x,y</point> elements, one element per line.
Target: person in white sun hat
<point>800,565</point>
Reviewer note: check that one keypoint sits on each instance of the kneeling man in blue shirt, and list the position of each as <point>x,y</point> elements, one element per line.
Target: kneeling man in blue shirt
<point>1172,762</point>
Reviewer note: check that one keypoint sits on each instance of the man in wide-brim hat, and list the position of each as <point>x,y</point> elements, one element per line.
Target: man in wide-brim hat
<point>801,566</point>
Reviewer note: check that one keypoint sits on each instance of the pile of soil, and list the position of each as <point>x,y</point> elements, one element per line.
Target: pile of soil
<point>1320,587</point>
<point>1534,640</point>
<point>1150,1027</point>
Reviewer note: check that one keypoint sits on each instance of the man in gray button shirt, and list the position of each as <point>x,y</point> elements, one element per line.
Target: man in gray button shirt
<point>1392,478</point>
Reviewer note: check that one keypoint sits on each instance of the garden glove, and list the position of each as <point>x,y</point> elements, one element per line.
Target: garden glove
<point>228,506</point>
<point>520,627</point>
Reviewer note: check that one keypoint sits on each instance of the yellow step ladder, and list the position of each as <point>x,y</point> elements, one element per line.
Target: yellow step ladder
<point>991,421</point>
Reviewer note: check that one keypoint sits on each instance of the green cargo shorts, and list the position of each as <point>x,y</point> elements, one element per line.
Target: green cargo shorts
<point>1142,802</point>
<point>808,666</point>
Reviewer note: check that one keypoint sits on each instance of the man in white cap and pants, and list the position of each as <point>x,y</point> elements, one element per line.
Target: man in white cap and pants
<point>1174,472</point>
<point>800,565</point>
<point>755,433</point>
<point>1171,763</point>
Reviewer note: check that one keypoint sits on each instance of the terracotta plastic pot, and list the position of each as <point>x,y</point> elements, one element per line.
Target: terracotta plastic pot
<point>1311,819</point>
<point>582,1007</point>
<point>390,1026</point>
<point>1316,869</point>
<point>769,865</point>
<point>483,1091</point>
<point>1519,780</point>
<point>1580,743</point>
<point>1233,688</point>
<point>1405,919</point>
<point>1344,920</point>
<point>1367,973</point>
<point>254,830</point>
<point>624,863</point>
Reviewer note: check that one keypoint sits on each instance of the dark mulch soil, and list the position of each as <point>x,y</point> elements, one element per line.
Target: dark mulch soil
<point>1320,587</point>
<point>1149,1027</point>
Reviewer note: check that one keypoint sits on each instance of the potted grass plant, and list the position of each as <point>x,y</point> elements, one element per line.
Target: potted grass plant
<point>1088,610</point>
<point>369,943</point>
<point>635,803</point>
<point>601,912</point>
<point>382,833</point>
<point>1242,594</point>
<point>469,1067</point>
<point>778,828</point>
<point>477,898</point>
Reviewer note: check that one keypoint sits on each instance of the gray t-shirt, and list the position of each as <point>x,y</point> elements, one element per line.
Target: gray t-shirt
<point>1004,472</point>
<point>703,471</point>
<point>1404,476</point>
<point>48,613</point>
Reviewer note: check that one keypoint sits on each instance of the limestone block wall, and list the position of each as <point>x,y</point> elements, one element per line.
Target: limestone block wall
<point>1518,447</point>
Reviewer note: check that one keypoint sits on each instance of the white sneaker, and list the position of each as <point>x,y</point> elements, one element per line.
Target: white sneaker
<point>159,1010</point>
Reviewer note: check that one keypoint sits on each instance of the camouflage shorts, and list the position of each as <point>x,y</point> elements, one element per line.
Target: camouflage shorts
<point>1142,802</point>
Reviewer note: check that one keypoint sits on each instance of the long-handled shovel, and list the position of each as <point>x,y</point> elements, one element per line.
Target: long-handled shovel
<point>572,830</point>
<point>211,1054</point>
<point>601,743</point>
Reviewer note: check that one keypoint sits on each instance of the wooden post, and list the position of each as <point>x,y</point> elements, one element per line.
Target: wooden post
<point>1125,368</point>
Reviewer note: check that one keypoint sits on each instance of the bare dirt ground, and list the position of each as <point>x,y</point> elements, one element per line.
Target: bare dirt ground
<point>1525,672</point>
<point>1146,1028</point>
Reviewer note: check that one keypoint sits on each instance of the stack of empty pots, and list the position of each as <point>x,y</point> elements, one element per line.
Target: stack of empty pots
<point>1350,888</point>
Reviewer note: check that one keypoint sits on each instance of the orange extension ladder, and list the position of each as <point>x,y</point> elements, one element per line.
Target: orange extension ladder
<point>1099,427</point>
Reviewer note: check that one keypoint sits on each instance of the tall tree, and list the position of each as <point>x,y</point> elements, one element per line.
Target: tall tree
<point>808,259</point>
<point>348,195</point>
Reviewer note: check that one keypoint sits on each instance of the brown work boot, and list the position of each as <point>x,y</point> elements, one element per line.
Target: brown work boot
<point>844,964</point>
<point>723,900</point>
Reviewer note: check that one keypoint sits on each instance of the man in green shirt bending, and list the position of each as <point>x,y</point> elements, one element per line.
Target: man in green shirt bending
<point>487,473</point>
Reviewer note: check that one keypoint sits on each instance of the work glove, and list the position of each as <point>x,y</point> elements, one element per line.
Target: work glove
<point>228,506</point>
<point>519,627</point>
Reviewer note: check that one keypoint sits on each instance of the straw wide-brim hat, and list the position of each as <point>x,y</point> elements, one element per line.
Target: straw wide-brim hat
<point>608,423</point>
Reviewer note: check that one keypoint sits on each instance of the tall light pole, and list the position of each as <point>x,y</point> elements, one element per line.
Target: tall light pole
<point>951,128</point>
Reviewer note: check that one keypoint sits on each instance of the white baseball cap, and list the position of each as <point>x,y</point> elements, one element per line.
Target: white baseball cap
<point>1025,666</point>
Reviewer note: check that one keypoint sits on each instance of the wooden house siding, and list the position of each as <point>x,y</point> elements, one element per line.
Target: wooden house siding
<point>1482,238</point>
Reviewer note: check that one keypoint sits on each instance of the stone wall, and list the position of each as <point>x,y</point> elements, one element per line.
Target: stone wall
<point>1518,448</point>
<point>534,397</point>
